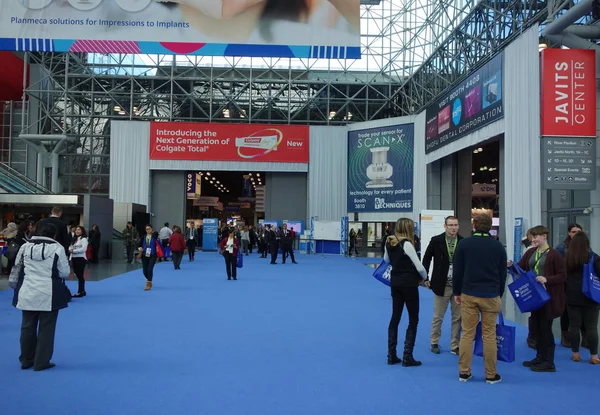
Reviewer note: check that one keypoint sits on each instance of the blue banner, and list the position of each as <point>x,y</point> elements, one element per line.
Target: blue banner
<point>517,240</point>
<point>210,230</point>
<point>467,107</point>
<point>344,236</point>
<point>380,169</point>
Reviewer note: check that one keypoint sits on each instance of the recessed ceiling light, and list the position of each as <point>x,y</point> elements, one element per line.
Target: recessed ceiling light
<point>208,173</point>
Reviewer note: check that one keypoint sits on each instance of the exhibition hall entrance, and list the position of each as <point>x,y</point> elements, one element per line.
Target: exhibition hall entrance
<point>485,188</point>
<point>236,198</point>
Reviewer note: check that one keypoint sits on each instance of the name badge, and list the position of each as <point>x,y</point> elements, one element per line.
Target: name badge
<point>148,252</point>
<point>450,272</point>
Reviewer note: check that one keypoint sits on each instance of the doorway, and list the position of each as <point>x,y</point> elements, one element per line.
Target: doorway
<point>559,224</point>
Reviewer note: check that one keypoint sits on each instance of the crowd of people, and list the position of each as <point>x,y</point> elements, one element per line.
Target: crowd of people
<point>469,274</point>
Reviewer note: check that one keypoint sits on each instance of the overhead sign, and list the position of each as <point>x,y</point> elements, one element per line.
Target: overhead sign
<point>569,93</point>
<point>471,105</point>
<point>209,27</point>
<point>569,163</point>
<point>380,169</point>
<point>483,189</point>
<point>229,142</point>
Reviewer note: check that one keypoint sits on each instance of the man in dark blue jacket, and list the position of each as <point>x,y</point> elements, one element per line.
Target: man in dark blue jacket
<point>478,281</point>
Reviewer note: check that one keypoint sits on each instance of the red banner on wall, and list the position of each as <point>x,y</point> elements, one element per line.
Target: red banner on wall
<point>569,93</point>
<point>229,142</point>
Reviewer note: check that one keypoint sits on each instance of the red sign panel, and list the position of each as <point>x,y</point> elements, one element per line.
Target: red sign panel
<point>229,142</point>
<point>569,93</point>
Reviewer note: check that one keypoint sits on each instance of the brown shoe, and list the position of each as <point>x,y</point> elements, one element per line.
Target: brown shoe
<point>595,361</point>
<point>576,357</point>
<point>148,286</point>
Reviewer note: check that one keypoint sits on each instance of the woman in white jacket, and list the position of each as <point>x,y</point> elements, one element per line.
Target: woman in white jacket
<point>78,256</point>
<point>40,293</point>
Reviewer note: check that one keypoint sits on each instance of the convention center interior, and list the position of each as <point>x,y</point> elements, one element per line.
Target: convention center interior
<point>299,206</point>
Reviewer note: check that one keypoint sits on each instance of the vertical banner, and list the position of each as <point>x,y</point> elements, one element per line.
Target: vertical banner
<point>190,186</point>
<point>311,246</point>
<point>344,236</point>
<point>518,252</point>
<point>380,169</point>
<point>569,93</point>
<point>198,190</point>
<point>210,231</point>
<point>246,186</point>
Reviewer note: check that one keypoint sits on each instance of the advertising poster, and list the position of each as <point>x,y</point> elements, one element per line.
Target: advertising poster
<point>302,29</point>
<point>380,169</point>
<point>467,107</point>
<point>296,225</point>
<point>229,142</point>
<point>210,230</point>
<point>569,93</point>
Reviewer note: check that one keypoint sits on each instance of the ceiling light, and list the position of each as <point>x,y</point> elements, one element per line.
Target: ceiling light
<point>480,149</point>
<point>475,151</point>
<point>117,108</point>
<point>258,174</point>
<point>208,173</point>
<point>472,174</point>
<point>218,182</point>
<point>249,174</point>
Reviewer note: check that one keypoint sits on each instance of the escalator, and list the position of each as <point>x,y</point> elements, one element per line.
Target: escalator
<point>11,181</point>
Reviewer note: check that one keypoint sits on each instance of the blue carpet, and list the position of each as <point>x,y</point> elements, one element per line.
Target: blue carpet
<point>294,339</point>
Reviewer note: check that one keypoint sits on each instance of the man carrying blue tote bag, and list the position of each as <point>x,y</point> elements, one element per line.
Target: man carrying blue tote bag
<point>591,282</point>
<point>505,339</point>
<point>529,294</point>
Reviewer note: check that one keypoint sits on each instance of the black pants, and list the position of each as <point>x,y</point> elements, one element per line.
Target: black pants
<point>165,244</point>
<point>37,338</point>
<point>191,247</point>
<point>148,266</point>
<point>230,265</point>
<point>288,250</point>
<point>177,256</point>
<point>274,250</point>
<point>580,316</point>
<point>78,268</point>
<point>95,249</point>
<point>402,296</point>
<point>352,248</point>
<point>565,323</point>
<point>545,338</point>
<point>129,248</point>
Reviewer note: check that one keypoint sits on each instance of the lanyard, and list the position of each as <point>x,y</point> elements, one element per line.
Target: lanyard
<point>450,248</point>
<point>481,234</point>
<point>538,257</point>
<point>148,239</point>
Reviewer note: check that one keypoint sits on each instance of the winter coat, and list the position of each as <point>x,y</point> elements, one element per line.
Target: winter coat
<point>40,287</point>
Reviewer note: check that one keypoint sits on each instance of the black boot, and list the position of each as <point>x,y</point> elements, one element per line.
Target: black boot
<point>392,357</point>
<point>409,345</point>
<point>547,365</point>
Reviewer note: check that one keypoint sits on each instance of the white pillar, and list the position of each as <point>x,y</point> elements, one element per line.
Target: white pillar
<point>54,185</point>
<point>40,169</point>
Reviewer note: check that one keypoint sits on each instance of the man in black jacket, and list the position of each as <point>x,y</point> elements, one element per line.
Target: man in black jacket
<point>441,249</point>
<point>63,236</point>
<point>273,241</point>
<point>478,280</point>
<point>287,244</point>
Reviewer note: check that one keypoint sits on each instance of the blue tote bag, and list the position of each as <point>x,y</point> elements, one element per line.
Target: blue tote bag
<point>529,294</point>
<point>240,259</point>
<point>505,340</point>
<point>383,273</point>
<point>591,282</point>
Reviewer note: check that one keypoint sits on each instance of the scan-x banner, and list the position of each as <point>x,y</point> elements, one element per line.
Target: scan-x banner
<point>471,105</point>
<point>262,28</point>
<point>380,169</point>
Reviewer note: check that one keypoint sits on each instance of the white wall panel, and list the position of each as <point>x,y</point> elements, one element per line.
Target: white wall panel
<point>129,166</point>
<point>521,174</point>
<point>327,174</point>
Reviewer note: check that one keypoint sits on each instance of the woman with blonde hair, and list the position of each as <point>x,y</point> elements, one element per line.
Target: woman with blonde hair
<point>406,276</point>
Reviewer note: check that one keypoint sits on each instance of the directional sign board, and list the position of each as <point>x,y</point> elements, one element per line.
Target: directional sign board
<point>569,163</point>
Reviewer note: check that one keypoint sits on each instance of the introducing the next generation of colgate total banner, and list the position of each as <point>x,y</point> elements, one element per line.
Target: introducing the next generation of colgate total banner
<point>229,142</point>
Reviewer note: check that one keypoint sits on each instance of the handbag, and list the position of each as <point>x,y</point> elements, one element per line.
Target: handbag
<point>529,294</point>
<point>591,282</point>
<point>16,273</point>
<point>240,259</point>
<point>383,273</point>
<point>12,250</point>
<point>505,341</point>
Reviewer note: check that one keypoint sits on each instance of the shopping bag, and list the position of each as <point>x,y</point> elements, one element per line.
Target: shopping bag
<point>240,259</point>
<point>529,294</point>
<point>505,341</point>
<point>89,252</point>
<point>159,250</point>
<point>168,253</point>
<point>591,282</point>
<point>383,273</point>
<point>17,272</point>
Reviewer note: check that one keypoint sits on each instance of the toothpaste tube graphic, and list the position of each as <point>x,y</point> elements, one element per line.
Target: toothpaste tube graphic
<point>266,142</point>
